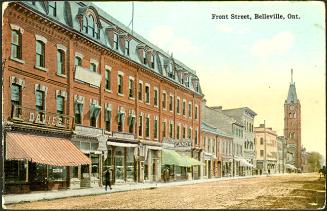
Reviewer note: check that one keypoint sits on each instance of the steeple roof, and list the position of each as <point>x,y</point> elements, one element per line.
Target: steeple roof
<point>291,97</point>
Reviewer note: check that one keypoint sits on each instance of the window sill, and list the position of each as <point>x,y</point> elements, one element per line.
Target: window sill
<point>17,60</point>
<point>148,103</point>
<point>61,75</point>
<point>141,101</point>
<point>164,109</point>
<point>156,106</point>
<point>41,68</point>
<point>119,94</point>
<point>108,90</point>
<point>131,98</point>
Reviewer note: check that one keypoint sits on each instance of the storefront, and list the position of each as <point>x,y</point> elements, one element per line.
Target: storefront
<point>177,160</point>
<point>151,159</point>
<point>92,142</point>
<point>121,158</point>
<point>39,162</point>
<point>196,170</point>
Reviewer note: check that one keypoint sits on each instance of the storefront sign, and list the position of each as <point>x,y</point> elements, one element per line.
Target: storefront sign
<point>44,118</point>
<point>88,130</point>
<point>56,170</point>
<point>123,135</point>
<point>184,143</point>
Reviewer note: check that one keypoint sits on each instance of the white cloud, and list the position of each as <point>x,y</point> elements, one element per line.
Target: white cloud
<point>278,44</point>
<point>165,38</point>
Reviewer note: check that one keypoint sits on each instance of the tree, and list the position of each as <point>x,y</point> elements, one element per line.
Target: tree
<point>314,159</point>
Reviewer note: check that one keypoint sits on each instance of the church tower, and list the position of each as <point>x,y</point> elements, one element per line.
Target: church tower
<point>292,121</point>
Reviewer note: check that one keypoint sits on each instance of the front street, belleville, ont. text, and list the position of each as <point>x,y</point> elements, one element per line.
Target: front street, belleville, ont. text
<point>255,16</point>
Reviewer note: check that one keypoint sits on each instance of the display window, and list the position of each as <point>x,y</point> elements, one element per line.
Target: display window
<point>119,163</point>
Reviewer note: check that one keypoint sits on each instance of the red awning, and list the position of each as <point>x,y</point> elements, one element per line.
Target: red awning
<point>45,150</point>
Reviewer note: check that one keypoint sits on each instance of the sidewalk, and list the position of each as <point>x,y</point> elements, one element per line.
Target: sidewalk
<point>48,195</point>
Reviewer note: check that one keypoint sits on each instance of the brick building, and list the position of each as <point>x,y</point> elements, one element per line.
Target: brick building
<point>72,68</point>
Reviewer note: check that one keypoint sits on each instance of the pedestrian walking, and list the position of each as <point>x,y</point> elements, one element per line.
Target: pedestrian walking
<point>107,179</point>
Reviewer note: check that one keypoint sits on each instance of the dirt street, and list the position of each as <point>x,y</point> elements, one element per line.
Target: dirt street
<point>292,191</point>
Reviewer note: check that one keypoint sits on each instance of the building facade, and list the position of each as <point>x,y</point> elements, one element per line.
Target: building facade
<point>281,154</point>
<point>292,121</point>
<point>266,148</point>
<point>118,96</point>
<point>246,116</point>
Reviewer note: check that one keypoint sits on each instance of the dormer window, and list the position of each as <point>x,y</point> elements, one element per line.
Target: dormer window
<point>182,78</point>
<point>187,82</point>
<point>85,24</point>
<point>152,61</point>
<point>144,57</point>
<point>127,47</point>
<point>90,26</point>
<point>53,8</point>
<point>115,41</point>
<point>197,87</point>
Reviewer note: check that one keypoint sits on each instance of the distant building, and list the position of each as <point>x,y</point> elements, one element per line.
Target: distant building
<point>266,148</point>
<point>292,121</point>
<point>246,116</point>
<point>281,154</point>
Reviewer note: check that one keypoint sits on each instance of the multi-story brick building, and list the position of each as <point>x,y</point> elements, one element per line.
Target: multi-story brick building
<point>281,154</point>
<point>266,148</point>
<point>70,65</point>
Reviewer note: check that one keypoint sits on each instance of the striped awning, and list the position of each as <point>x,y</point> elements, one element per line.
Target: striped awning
<point>44,150</point>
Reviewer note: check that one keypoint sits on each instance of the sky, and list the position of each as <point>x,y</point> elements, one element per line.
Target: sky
<point>242,62</point>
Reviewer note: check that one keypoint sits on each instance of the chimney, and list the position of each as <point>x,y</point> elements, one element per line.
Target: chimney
<point>217,108</point>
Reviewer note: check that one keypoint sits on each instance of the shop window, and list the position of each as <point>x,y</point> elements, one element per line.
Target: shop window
<point>127,47</point>
<point>40,53</point>
<point>60,62</point>
<point>164,100</point>
<point>147,94</point>
<point>95,165</point>
<point>130,164</point>
<point>119,163</point>
<point>15,171</point>
<point>16,44</point>
<point>52,8</point>
<point>120,84</point>
<point>60,104</point>
<point>16,93</point>
<point>140,125</point>
<point>78,61</point>
<point>140,91</point>
<point>147,127</point>
<point>38,172</point>
<point>131,88</point>
<point>57,173</point>
<point>93,67</point>
<point>75,172</point>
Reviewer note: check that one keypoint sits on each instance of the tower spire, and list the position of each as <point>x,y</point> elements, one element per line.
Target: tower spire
<point>291,75</point>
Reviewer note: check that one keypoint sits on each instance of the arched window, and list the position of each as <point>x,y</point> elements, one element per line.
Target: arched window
<point>90,25</point>
<point>85,24</point>
<point>290,114</point>
<point>294,115</point>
